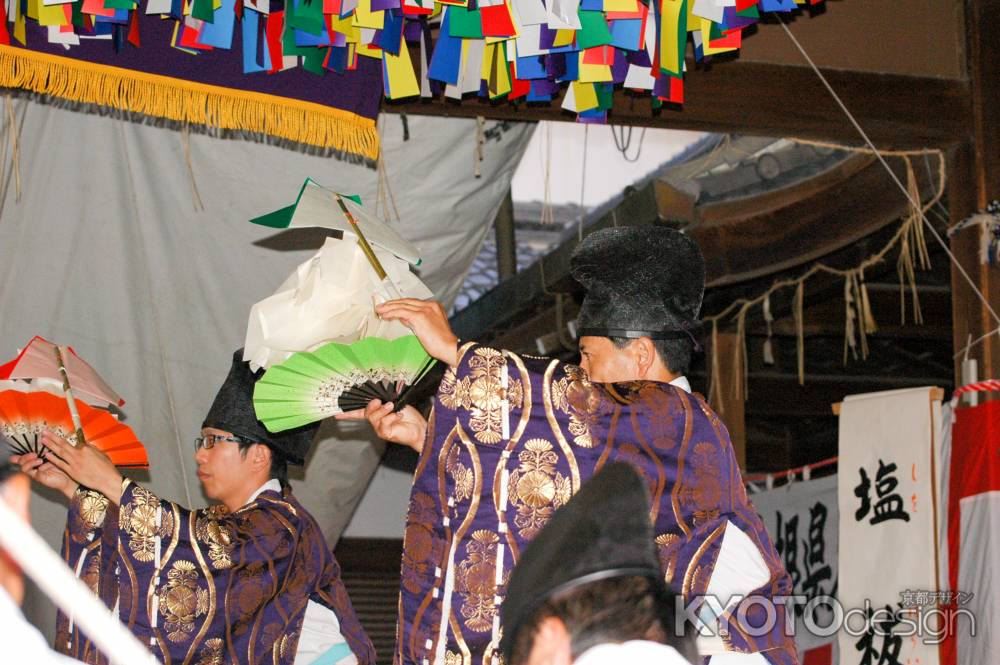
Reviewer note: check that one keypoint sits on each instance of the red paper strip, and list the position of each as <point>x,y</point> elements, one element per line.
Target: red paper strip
<point>497,21</point>
<point>599,55</point>
<point>518,88</point>
<point>96,7</point>
<point>133,28</point>
<point>676,90</point>
<point>412,10</point>
<point>4,34</point>
<point>189,39</point>
<point>275,24</point>
<point>731,39</point>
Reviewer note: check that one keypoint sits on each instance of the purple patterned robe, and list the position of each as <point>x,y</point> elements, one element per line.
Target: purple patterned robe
<point>205,587</point>
<point>510,439</point>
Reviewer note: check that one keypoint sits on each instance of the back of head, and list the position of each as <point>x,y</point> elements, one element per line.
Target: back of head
<point>642,281</point>
<point>594,567</point>
<point>610,611</point>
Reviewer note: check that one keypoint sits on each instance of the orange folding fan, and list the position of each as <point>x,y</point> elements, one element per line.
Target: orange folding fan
<point>25,415</point>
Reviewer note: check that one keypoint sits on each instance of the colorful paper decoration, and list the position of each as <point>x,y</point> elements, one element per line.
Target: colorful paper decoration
<point>596,45</point>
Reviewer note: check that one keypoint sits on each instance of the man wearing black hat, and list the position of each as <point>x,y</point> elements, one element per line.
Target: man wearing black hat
<point>511,438</point>
<point>589,588</point>
<point>248,581</point>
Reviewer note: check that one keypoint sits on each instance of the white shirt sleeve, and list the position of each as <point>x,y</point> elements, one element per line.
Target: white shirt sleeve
<point>22,642</point>
<point>320,641</point>
<point>739,569</point>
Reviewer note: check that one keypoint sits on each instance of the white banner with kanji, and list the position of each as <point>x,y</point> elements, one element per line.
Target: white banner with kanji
<point>888,552</point>
<point>802,519</point>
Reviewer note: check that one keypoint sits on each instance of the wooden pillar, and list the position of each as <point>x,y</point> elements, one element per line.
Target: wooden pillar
<point>503,227</point>
<point>731,405</point>
<point>974,180</point>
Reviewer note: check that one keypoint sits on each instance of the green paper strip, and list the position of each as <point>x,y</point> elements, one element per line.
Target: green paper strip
<point>593,30</point>
<point>203,10</point>
<point>464,23</point>
<point>308,16</point>
<point>313,61</point>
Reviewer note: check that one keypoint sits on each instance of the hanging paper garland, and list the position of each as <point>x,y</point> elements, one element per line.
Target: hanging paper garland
<point>518,49</point>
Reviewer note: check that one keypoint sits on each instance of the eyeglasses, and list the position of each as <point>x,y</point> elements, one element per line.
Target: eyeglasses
<point>208,441</point>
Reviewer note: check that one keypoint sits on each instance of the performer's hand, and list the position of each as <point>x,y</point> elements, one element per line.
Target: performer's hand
<point>45,473</point>
<point>86,465</point>
<point>428,321</point>
<point>407,427</point>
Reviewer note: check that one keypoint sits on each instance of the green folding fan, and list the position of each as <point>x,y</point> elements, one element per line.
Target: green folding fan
<point>312,385</point>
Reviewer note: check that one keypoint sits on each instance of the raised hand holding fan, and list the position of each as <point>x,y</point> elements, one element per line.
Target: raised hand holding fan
<point>24,415</point>
<point>335,378</point>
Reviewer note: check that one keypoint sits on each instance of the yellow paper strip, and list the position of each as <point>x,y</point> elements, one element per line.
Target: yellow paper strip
<point>619,5</point>
<point>52,15</point>
<point>670,58</point>
<point>585,96</point>
<point>593,73</point>
<point>563,38</point>
<point>402,79</point>
<point>345,27</point>
<point>364,17</point>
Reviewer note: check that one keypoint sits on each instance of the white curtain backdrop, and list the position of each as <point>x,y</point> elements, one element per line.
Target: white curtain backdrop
<point>107,251</point>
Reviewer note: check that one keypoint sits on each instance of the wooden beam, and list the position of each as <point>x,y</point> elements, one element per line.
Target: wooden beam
<point>732,397</point>
<point>764,100</point>
<point>752,237</point>
<point>974,179</point>
<point>826,317</point>
<point>778,394</point>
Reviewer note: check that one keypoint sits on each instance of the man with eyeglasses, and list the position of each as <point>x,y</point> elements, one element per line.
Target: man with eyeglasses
<point>251,580</point>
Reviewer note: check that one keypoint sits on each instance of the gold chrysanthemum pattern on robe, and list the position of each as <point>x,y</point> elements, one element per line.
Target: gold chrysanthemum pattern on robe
<point>482,394</point>
<point>573,396</point>
<point>93,508</point>
<point>476,581</point>
<point>668,547</point>
<point>182,601</point>
<point>461,475</point>
<point>217,536</point>
<point>420,549</point>
<point>138,518</point>
<point>703,494</point>
<point>536,489</point>
<point>211,652</point>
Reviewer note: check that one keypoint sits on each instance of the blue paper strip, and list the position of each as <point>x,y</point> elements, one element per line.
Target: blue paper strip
<point>626,34</point>
<point>220,33</point>
<point>447,58</point>
<point>530,67</point>
<point>251,26</point>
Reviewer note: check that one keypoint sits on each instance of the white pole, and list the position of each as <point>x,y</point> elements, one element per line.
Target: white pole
<point>70,594</point>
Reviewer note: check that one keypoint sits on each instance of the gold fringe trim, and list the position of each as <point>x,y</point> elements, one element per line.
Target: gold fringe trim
<point>187,101</point>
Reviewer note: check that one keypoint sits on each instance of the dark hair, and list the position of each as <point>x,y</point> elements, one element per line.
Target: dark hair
<point>614,610</point>
<point>675,353</point>
<point>7,469</point>
<point>279,463</point>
